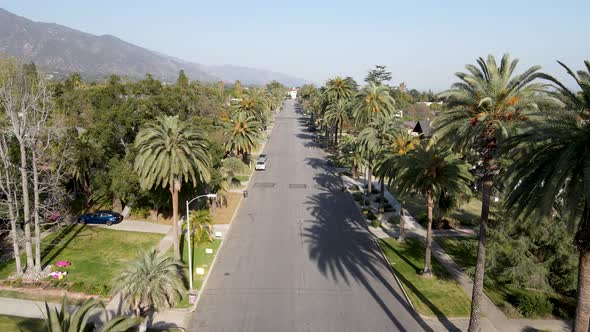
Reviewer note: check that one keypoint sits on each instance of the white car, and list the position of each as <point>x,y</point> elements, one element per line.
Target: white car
<point>260,165</point>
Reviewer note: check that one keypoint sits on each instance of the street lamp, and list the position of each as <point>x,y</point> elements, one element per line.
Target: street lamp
<point>190,253</point>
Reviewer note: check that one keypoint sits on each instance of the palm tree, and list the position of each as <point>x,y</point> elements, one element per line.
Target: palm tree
<point>373,140</point>
<point>339,88</point>
<point>78,321</point>
<point>551,170</point>
<point>402,144</point>
<point>431,170</point>
<point>241,133</point>
<point>373,100</point>
<point>169,153</point>
<point>150,282</point>
<point>202,224</point>
<point>337,115</point>
<point>481,106</point>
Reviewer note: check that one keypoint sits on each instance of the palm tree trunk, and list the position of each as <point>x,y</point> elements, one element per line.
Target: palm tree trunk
<point>474,320</point>
<point>402,225</point>
<point>583,304</point>
<point>369,179</point>
<point>175,190</point>
<point>336,136</point>
<point>427,257</point>
<point>382,195</point>
<point>26,207</point>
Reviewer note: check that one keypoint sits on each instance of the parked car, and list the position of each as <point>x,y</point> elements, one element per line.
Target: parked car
<point>101,217</point>
<point>260,165</point>
<point>262,157</point>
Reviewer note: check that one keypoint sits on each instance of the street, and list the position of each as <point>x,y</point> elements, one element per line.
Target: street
<point>298,256</point>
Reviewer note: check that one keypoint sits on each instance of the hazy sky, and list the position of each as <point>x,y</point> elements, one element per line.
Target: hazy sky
<point>422,42</point>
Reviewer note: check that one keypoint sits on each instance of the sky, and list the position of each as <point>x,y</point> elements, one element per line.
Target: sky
<point>423,43</point>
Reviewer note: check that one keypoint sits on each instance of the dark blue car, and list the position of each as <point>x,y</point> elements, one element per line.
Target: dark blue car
<point>101,217</point>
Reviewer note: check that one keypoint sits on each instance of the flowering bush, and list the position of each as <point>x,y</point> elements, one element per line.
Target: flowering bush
<point>58,274</point>
<point>63,263</point>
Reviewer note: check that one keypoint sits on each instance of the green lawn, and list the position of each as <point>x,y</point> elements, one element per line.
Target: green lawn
<point>200,259</point>
<point>464,253</point>
<point>97,255</point>
<point>436,296</point>
<point>13,323</point>
<point>467,213</point>
<point>242,178</point>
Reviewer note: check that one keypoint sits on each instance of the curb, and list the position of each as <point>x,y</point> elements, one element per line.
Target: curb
<point>397,279</point>
<point>375,239</point>
<point>194,307</point>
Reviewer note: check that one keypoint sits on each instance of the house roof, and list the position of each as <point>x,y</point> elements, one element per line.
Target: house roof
<point>410,124</point>
<point>423,127</point>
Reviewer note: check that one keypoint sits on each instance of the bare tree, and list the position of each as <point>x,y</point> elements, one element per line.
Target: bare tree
<point>17,99</point>
<point>8,188</point>
<point>43,157</point>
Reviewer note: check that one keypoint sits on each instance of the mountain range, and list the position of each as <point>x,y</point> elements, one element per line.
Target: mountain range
<point>59,51</point>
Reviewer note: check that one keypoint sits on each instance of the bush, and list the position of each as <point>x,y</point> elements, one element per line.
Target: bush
<point>367,202</point>
<point>533,305</point>
<point>371,216</point>
<point>143,211</point>
<point>374,191</point>
<point>395,220</point>
<point>375,223</point>
<point>358,196</point>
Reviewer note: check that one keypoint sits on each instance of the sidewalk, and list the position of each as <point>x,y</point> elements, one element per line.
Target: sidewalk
<point>495,319</point>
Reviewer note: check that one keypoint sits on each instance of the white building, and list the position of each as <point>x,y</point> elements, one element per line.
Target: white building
<point>293,93</point>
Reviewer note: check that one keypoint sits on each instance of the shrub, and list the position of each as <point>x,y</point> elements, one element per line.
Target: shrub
<point>358,196</point>
<point>533,305</point>
<point>394,220</point>
<point>142,211</point>
<point>367,202</point>
<point>375,223</point>
<point>374,191</point>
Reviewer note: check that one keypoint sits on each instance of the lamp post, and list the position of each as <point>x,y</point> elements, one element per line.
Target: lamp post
<point>188,226</point>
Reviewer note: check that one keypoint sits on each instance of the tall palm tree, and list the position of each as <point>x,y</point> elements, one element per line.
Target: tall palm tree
<point>337,115</point>
<point>390,165</point>
<point>431,169</point>
<point>551,170</point>
<point>339,88</point>
<point>150,282</point>
<point>241,133</point>
<point>169,153</point>
<point>373,140</point>
<point>79,320</point>
<point>373,100</point>
<point>482,105</point>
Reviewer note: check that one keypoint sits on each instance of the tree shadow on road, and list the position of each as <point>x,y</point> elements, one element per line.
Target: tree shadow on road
<point>338,241</point>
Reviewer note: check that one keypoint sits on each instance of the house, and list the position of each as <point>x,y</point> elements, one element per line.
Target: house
<point>293,93</point>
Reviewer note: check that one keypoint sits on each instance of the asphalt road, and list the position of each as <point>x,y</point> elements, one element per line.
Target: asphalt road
<point>298,257</point>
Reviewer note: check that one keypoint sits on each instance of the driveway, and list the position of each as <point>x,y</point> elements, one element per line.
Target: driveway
<point>298,256</point>
<point>138,226</point>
